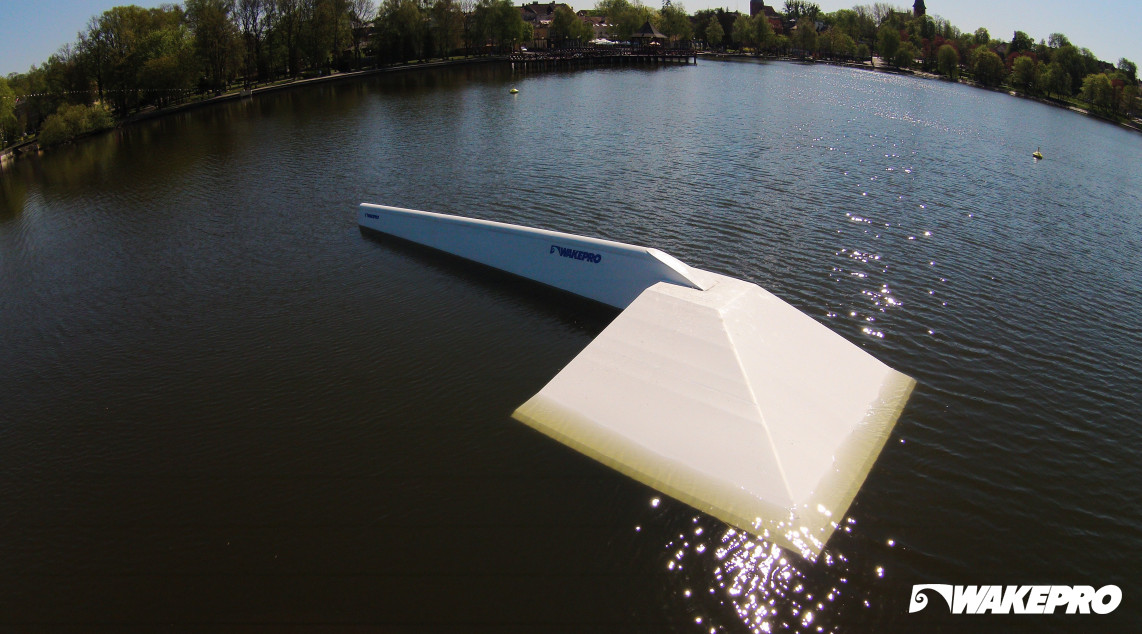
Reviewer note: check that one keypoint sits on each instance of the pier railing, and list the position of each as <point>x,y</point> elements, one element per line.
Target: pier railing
<point>602,56</point>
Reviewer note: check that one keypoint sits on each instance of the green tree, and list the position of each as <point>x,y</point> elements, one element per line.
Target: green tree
<point>804,37</point>
<point>170,76</point>
<point>7,113</point>
<point>988,68</point>
<point>215,38</point>
<point>744,33</point>
<point>882,13</point>
<point>781,43</point>
<point>948,61</point>
<point>982,37</point>
<point>675,24</point>
<point>862,52</point>
<point>401,25</point>
<point>254,22</point>
<point>836,43</point>
<point>324,32</point>
<point>34,109</point>
<point>95,45</point>
<point>1054,79</point>
<point>512,28</point>
<point>1024,74</point>
<point>363,12</point>
<point>565,25</point>
<point>888,42</point>
<point>1130,100</point>
<point>561,23</point>
<point>1097,91</point>
<point>799,10</point>
<point>73,120</point>
<point>1057,40</point>
<point>1073,64</point>
<point>624,16</point>
<point>906,55</point>
<point>856,22</point>
<point>922,28</point>
<point>287,33</point>
<point>1020,42</point>
<point>497,22</point>
<point>1128,68</point>
<point>66,75</point>
<point>714,33</point>
<point>762,30</point>
<point>131,54</point>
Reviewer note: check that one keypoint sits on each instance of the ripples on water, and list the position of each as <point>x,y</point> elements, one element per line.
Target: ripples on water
<point>187,302</point>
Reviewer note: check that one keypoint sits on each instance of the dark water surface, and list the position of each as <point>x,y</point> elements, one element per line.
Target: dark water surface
<point>221,405</point>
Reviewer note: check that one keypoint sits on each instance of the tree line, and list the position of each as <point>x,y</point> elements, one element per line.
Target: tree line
<point>1052,67</point>
<point>130,58</point>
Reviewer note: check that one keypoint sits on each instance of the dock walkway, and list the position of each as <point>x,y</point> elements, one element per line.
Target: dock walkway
<point>588,57</point>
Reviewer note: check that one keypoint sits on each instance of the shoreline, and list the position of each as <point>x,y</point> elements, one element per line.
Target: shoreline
<point>872,67</point>
<point>31,146</point>
<point>11,154</point>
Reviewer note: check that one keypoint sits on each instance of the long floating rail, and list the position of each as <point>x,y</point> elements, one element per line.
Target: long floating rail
<point>707,388</point>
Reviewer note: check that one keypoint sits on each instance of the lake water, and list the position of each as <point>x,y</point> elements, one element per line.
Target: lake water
<point>221,405</point>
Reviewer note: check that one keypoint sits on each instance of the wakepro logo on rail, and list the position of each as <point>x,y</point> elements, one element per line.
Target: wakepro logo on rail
<point>576,254</point>
<point>1019,599</point>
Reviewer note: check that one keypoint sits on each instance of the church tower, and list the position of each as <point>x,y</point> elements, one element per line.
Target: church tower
<point>918,8</point>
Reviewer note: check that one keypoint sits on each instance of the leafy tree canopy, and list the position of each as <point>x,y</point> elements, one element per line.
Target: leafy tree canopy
<point>714,32</point>
<point>1024,74</point>
<point>1128,68</point>
<point>988,68</point>
<point>888,41</point>
<point>7,112</point>
<point>1057,40</point>
<point>906,55</point>
<point>948,61</point>
<point>798,9</point>
<point>674,23</point>
<point>1021,42</point>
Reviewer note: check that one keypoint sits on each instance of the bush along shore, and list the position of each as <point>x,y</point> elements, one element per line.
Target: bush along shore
<point>134,62</point>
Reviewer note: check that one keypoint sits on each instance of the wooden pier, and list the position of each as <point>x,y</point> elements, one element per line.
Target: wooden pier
<point>595,57</point>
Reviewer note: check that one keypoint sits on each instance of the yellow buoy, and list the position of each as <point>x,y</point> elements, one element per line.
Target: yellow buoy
<point>513,91</point>
<point>1037,154</point>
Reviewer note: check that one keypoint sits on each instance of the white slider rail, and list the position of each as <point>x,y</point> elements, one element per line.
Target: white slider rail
<point>707,388</point>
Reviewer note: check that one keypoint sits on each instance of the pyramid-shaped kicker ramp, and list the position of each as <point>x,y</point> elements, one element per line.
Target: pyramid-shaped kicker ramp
<point>732,401</point>
<point>707,388</point>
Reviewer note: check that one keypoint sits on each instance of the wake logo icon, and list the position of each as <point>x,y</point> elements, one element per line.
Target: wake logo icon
<point>1018,599</point>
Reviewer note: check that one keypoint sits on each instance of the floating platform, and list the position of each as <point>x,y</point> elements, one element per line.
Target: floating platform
<point>707,388</point>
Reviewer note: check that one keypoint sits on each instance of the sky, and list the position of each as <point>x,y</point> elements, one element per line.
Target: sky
<point>31,30</point>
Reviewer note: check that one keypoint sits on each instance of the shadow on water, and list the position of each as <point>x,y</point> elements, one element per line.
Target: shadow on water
<point>77,165</point>
<point>578,313</point>
<point>13,195</point>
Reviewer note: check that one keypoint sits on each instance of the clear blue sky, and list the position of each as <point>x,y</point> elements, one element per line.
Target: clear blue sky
<point>31,30</point>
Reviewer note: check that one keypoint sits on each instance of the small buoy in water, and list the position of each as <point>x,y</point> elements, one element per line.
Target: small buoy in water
<point>513,91</point>
<point>1037,154</point>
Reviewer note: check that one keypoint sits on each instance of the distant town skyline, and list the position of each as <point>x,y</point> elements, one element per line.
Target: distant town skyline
<point>32,30</point>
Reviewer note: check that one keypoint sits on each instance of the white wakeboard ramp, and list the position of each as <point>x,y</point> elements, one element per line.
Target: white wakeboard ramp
<point>707,388</point>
